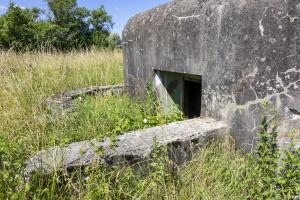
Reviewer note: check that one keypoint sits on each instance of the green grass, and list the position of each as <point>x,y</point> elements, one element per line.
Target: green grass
<point>219,171</point>
<point>99,117</point>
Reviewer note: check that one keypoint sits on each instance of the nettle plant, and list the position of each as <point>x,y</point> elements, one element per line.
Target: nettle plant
<point>289,172</point>
<point>276,172</point>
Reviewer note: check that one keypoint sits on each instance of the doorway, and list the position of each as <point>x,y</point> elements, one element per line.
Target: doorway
<point>192,98</point>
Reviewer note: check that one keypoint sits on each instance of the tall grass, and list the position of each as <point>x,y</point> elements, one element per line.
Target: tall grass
<point>27,79</point>
<point>26,127</point>
<point>218,172</point>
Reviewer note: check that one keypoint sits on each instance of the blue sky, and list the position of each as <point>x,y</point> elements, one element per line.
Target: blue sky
<point>121,10</point>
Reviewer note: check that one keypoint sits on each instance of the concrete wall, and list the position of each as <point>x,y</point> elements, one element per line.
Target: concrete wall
<point>245,50</point>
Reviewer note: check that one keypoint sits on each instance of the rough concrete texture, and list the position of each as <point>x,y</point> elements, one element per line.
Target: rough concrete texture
<point>182,138</point>
<point>64,101</point>
<point>245,51</point>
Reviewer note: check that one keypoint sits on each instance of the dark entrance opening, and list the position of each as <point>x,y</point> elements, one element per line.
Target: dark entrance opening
<point>192,98</point>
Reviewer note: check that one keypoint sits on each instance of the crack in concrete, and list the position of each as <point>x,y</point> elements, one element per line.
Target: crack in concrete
<point>292,19</point>
<point>294,111</point>
<point>260,26</point>
<point>270,96</point>
<point>292,70</point>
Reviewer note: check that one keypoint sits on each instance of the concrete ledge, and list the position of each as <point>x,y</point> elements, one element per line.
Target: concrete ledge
<point>182,139</point>
<point>64,100</point>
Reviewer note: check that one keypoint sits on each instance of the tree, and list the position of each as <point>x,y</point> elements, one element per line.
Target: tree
<point>47,36</point>
<point>62,11</point>
<point>67,27</point>
<point>101,24</point>
<point>79,26</point>
<point>17,28</point>
<point>3,35</point>
<point>72,29</point>
<point>114,40</point>
<point>100,20</point>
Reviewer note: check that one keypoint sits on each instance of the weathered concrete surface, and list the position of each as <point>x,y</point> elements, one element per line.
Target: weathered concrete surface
<point>245,51</point>
<point>64,101</point>
<point>182,139</point>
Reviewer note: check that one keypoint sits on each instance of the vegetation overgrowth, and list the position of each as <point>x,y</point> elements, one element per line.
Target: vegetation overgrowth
<point>219,171</point>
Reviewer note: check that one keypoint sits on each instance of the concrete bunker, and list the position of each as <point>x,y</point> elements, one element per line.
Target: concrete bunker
<point>179,91</point>
<point>246,52</point>
<point>222,57</point>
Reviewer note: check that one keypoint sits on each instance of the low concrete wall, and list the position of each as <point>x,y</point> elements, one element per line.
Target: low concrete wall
<point>64,101</point>
<point>182,139</point>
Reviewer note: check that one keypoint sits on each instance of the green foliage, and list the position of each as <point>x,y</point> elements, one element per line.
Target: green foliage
<point>289,172</point>
<point>62,11</point>
<point>110,116</point>
<point>67,27</point>
<point>273,177</point>
<point>101,24</point>
<point>17,28</point>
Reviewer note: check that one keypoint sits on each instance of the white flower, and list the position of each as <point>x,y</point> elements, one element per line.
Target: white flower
<point>145,121</point>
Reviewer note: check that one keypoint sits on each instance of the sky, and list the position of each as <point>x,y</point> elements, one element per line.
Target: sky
<point>120,10</point>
